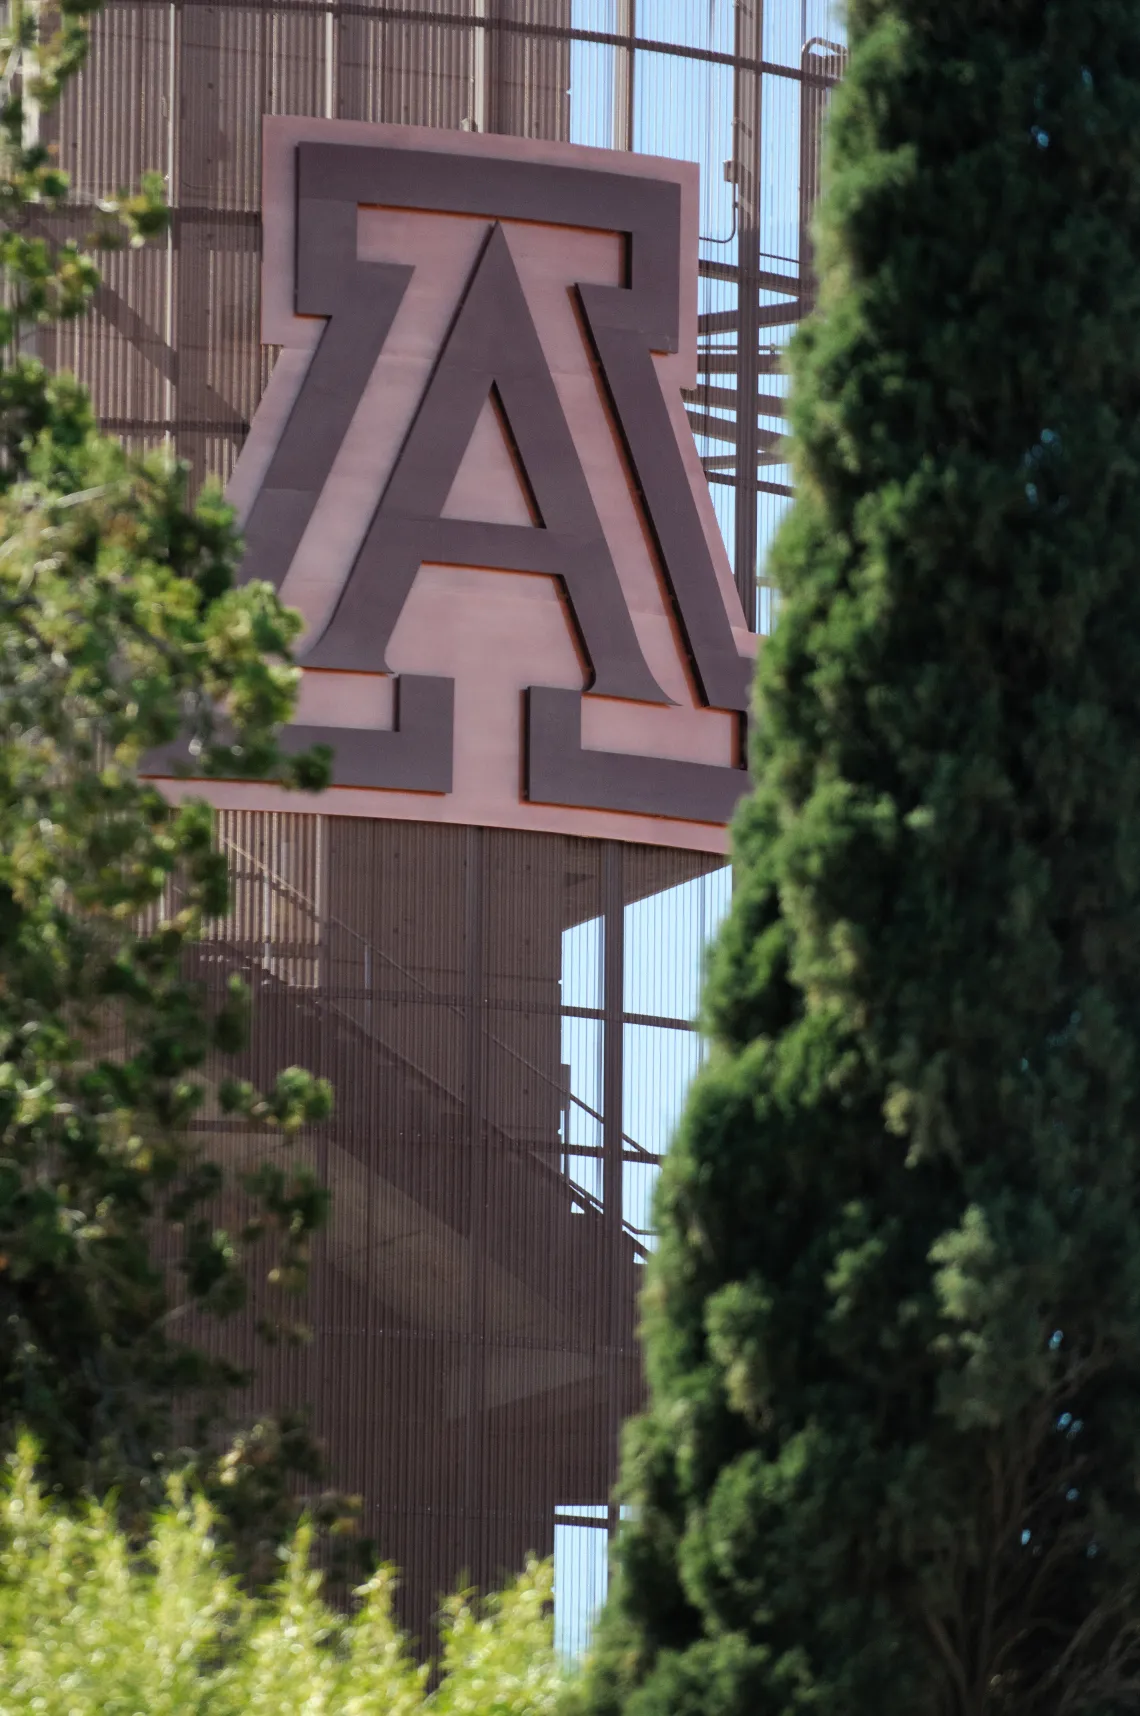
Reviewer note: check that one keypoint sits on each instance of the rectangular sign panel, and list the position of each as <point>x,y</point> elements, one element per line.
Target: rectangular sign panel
<point>472,473</point>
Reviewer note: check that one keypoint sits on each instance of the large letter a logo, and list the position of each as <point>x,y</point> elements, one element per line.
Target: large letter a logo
<point>492,345</point>
<point>643,717</point>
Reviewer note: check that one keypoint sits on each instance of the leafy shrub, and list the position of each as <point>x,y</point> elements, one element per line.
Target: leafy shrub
<point>92,1626</point>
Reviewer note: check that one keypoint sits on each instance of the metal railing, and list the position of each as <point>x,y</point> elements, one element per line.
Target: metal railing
<point>328,957</point>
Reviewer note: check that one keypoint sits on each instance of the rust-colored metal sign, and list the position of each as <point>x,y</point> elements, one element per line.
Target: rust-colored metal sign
<point>483,345</point>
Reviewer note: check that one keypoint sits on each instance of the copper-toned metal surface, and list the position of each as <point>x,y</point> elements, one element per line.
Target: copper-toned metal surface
<point>529,292</point>
<point>559,768</point>
<point>492,350</point>
<point>472,1302</point>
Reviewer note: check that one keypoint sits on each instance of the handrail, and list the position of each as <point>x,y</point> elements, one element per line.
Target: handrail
<point>299,899</point>
<point>460,1012</point>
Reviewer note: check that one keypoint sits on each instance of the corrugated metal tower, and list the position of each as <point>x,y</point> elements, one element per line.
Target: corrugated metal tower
<point>506,1016</point>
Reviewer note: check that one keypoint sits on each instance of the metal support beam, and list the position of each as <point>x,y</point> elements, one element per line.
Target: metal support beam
<point>613,995</point>
<point>748,45</point>
<point>478,1191</point>
<point>625,63</point>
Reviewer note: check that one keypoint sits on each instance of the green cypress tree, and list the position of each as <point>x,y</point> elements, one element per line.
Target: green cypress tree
<point>892,1454</point>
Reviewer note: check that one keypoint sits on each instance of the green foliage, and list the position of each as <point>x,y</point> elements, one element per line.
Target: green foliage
<point>44,281</point>
<point>90,1625</point>
<point>892,1458</point>
<point>121,632</point>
